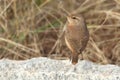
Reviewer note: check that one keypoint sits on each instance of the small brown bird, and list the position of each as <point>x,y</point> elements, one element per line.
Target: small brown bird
<point>76,35</point>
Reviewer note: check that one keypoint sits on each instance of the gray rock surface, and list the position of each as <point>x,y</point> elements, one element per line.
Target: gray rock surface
<point>49,69</point>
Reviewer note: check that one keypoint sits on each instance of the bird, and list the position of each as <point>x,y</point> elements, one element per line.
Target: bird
<point>76,35</point>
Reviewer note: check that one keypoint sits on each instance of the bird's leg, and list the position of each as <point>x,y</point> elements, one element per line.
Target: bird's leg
<point>74,58</point>
<point>81,56</point>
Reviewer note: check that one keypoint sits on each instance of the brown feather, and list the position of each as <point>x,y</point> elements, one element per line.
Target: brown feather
<point>76,36</point>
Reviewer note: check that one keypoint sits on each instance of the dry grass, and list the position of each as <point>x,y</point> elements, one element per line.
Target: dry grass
<point>30,28</point>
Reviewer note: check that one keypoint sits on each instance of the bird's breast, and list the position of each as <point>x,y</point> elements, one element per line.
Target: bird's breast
<point>74,31</point>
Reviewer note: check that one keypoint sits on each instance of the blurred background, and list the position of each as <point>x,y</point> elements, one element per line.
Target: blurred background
<point>31,28</point>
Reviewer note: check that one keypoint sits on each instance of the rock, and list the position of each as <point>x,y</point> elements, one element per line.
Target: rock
<point>49,69</point>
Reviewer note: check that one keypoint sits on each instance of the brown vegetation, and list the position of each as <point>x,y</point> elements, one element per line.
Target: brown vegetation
<point>30,28</point>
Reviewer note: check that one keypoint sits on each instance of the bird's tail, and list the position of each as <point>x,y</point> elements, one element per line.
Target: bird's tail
<point>74,58</point>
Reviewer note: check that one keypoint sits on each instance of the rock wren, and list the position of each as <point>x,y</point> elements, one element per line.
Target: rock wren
<point>76,36</point>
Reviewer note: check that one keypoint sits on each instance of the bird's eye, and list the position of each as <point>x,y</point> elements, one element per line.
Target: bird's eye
<point>73,17</point>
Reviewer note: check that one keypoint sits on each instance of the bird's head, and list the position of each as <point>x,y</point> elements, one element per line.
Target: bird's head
<point>75,20</point>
